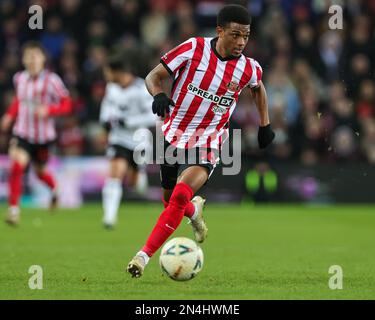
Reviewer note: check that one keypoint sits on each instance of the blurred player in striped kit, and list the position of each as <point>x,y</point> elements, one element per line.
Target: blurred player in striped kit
<point>40,96</point>
<point>126,107</point>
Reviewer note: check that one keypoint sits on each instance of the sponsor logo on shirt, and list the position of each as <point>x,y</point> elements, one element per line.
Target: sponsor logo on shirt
<point>222,103</point>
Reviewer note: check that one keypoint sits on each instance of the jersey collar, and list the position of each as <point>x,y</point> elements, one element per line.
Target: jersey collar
<point>213,47</point>
<point>41,74</point>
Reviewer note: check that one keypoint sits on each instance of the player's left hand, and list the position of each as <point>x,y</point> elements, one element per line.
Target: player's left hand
<point>265,136</point>
<point>41,111</point>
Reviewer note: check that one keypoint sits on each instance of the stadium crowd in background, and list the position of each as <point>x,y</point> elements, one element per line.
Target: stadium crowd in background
<point>320,82</point>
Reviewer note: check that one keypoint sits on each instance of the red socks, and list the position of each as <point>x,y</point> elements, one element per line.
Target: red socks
<point>15,183</point>
<point>189,210</point>
<point>170,218</point>
<point>48,179</point>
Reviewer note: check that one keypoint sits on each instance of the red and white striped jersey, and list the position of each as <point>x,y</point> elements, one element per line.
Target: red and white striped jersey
<point>31,92</point>
<point>205,91</point>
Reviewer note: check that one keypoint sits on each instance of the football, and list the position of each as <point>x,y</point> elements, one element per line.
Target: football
<point>181,259</point>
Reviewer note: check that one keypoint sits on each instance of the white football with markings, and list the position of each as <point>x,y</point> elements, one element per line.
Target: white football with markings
<point>181,259</point>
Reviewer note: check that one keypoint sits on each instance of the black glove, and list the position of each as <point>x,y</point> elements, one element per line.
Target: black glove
<point>265,136</point>
<point>108,126</point>
<point>161,104</point>
<point>120,123</point>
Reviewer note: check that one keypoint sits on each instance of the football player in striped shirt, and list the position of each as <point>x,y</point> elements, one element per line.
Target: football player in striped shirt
<point>209,74</point>
<point>126,107</point>
<point>40,96</point>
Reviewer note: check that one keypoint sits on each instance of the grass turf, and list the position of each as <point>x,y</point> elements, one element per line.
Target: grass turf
<point>252,252</point>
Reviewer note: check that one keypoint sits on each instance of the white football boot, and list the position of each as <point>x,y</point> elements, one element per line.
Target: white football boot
<point>13,216</point>
<point>198,224</point>
<point>137,265</point>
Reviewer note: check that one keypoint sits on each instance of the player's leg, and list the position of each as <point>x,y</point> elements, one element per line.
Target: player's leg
<point>137,177</point>
<point>189,182</point>
<point>48,179</point>
<point>40,158</point>
<point>20,158</point>
<point>112,190</point>
<point>132,176</point>
<point>168,176</point>
<point>192,207</point>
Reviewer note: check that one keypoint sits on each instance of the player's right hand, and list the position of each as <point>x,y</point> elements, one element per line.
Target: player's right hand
<point>117,123</point>
<point>5,123</point>
<point>42,111</point>
<point>161,104</point>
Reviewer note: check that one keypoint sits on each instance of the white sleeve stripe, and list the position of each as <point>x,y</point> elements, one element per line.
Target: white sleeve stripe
<point>254,81</point>
<point>178,60</point>
<point>59,86</point>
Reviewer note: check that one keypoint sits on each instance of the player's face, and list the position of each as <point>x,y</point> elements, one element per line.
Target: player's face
<point>234,38</point>
<point>123,78</point>
<point>34,60</point>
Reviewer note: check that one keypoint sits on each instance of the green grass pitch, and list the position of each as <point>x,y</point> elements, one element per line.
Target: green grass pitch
<point>252,252</point>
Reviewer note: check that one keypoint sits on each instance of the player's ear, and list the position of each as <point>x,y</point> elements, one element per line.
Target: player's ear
<point>220,31</point>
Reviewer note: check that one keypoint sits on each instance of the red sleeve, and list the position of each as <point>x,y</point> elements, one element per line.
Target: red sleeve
<point>13,108</point>
<point>64,107</point>
<point>175,58</point>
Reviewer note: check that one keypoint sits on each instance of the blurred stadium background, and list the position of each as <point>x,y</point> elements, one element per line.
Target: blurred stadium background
<point>320,84</point>
<point>321,90</point>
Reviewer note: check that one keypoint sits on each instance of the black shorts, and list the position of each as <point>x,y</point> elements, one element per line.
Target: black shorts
<point>115,151</point>
<point>176,160</point>
<point>39,153</point>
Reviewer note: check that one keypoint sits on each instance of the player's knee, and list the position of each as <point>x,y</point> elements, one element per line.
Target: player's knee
<point>117,175</point>
<point>39,174</point>
<point>39,170</point>
<point>178,197</point>
<point>181,195</point>
<point>19,156</point>
<point>118,169</point>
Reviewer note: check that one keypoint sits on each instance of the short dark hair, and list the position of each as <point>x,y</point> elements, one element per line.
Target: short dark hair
<point>33,45</point>
<point>123,60</point>
<point>115,62</point>
<point>233,13</point>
